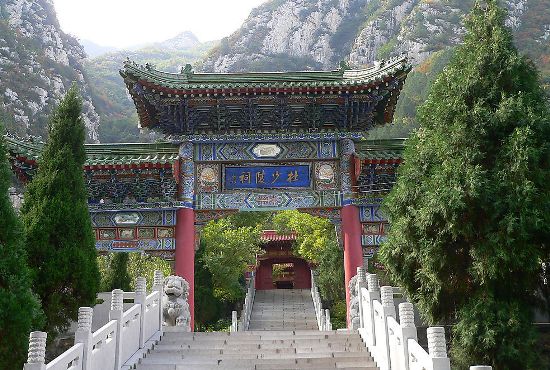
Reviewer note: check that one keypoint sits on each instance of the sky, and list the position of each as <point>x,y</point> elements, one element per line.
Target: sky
<point>124,23</point>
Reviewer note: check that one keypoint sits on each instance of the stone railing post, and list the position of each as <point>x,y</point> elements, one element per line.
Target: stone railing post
<point>253,284</point>
<point>141,294</point>
<point>373,288</point>
<point>158,286</point>
<point>408,329</point>
<point>234,321</point>
<point>382,338</point>
<point>437,348</point>
<point>36,359</point>
<point>251,295</point>
<point>328,324</point>
<point>84,335</point>
<point>245,311</point>
<point>361,283</point>
<point>320,312</point>
<point>117,308</point>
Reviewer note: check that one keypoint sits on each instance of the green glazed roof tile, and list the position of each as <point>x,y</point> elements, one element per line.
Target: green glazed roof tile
<point>380,149</point>
<point>190,80</point>
<point>105,154</point>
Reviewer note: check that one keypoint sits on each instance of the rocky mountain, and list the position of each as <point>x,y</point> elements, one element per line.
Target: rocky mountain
<point>290,34</point>
<point>115,107</point>
<point>184,41</point>
<point>38,64</point>
<point>320,33</point>
<point>313,34</point>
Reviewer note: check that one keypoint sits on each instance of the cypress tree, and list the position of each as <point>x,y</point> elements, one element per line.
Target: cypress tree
<point>470,212</point>
<point>60,243</point>
<point>19,307</point>
<point>117,273</point>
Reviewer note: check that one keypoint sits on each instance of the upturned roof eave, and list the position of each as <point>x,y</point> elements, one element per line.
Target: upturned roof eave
<point>105,154</point>
<point>380,148</point>
<point>133,72</point>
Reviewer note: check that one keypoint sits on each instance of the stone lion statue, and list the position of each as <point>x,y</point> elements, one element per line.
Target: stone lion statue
<point>354,319</point>
<point>175,308</point>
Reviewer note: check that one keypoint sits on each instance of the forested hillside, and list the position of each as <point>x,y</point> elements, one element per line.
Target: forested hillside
<point>116,109</point>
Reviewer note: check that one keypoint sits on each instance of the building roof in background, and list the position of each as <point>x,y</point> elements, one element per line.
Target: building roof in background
<point>273,236</point>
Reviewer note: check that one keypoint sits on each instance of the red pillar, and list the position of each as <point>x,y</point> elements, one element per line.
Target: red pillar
<point>353,252</point>
<point>185,254</point>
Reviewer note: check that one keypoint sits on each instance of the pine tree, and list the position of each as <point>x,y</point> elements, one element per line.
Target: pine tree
<point>470,213</point>
<point>117,273</point>
<point>19,307</point>
<point>60,243</point>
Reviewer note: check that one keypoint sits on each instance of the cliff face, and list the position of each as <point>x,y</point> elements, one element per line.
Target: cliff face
<point>307,34</point>
<point>291,34</point>
<point>418,28</point>
<point>38,64</point>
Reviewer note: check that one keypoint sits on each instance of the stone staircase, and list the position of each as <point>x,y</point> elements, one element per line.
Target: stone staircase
<point>301,349</point>
<point>283,309</point>
<point>283,335</point>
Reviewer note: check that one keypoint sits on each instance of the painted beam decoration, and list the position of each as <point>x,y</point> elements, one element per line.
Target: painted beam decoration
<point>147,231</point>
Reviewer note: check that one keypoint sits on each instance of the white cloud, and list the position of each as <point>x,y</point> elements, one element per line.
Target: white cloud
<point>122,23</point>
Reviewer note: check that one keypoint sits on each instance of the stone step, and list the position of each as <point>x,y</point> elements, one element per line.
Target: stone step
<point>251,367</point>
<point>302,339</point>
<point>290,342</point>
<point>176,356</point>
<point>283,334</point>
<point>300,362</point>
<point>260,349</point>
<point>328,354</point>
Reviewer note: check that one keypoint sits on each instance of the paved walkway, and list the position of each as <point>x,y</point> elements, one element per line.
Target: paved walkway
<point>283,309</point>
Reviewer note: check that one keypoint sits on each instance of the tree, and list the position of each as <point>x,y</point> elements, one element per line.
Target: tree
<point>141,264</point>
<point>228,252</point>
<point>470,212</point>
<point>60,242</point>
<point>117,273</point>
<point>19,307</point>
<point>208,308</point>
<point>313,233</point>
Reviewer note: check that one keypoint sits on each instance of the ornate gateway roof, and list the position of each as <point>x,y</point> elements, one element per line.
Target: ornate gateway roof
<point>191,103</point>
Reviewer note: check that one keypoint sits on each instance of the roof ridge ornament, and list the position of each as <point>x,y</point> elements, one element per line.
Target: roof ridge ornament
<point>343,66</point>
<point>187,70</point>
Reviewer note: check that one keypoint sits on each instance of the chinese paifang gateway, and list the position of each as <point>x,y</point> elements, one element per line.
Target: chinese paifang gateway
<point>251,142</point>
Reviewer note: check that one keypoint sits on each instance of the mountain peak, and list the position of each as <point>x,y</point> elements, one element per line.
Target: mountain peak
<point>184,40</point>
